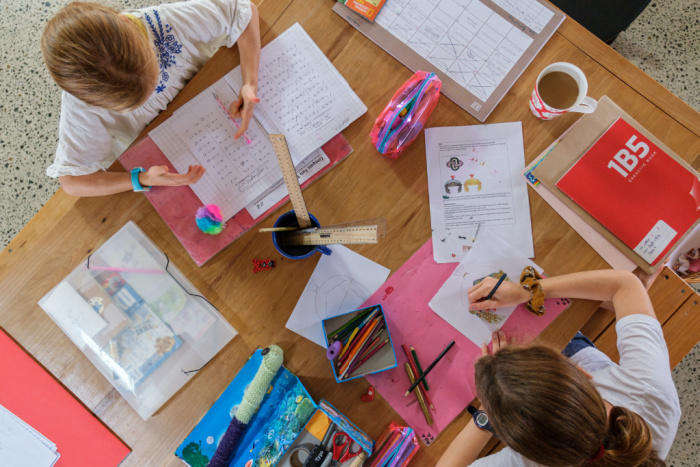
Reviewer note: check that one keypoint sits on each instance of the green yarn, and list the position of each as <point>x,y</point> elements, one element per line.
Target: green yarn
<point>257,389</point>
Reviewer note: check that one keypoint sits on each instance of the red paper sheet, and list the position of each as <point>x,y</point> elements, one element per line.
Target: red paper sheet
<point>33,395</point>
<point>178,205</point>
<point>404,298</point>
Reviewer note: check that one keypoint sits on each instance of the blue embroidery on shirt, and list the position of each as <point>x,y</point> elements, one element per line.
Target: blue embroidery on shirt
<point>166,48</point>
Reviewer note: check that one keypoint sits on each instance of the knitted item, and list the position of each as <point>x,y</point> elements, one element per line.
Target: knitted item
<point>530,280</point>
<point>252,397</point>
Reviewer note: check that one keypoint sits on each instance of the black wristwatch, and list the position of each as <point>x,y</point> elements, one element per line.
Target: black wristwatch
<point>481,419</point>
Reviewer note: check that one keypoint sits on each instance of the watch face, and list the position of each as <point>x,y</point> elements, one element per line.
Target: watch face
<point>482,419</point>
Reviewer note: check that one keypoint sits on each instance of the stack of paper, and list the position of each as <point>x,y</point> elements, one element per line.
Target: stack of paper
<point>20,444</point>
<point>301,96</point>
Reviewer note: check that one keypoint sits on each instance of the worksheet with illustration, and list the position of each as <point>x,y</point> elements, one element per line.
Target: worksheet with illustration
<point>478,48</point>
<point>492,256</point>
<point>474,182</point>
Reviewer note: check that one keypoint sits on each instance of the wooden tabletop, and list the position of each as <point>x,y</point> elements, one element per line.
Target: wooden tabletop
<point>365,185</point>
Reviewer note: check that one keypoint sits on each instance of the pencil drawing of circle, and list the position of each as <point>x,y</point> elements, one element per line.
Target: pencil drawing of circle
<point>339,294</point>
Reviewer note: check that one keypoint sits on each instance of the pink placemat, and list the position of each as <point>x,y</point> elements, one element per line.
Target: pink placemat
<point>404,298</point>
<point>178,205</point>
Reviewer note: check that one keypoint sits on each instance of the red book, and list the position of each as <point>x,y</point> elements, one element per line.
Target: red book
<point>645,197</point>
<point>34,396</point>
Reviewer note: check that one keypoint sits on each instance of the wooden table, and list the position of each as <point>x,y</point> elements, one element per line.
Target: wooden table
<point>365,185</point>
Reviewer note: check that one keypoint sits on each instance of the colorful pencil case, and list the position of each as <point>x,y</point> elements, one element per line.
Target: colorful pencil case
<point>369,346</point>
<point>402,120</point>
<point>395,448</point>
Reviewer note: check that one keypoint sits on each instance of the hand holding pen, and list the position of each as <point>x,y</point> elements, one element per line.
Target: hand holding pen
<point>489,294</point>
<point>243,107</point>
<point>241,128</point>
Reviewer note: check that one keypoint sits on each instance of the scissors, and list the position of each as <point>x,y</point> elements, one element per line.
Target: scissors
<point>342,448</point>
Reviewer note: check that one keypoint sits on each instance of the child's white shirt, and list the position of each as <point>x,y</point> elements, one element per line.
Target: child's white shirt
<point>184,36</point>
<point>642,383</point>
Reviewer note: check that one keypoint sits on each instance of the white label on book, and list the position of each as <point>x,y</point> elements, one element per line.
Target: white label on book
<point>655,241</point>
<point>73,314</point>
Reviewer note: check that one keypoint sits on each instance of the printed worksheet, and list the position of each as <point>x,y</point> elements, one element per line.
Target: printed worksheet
<point>474,181</point>
<point>477,47</point>
<point>301,93</point>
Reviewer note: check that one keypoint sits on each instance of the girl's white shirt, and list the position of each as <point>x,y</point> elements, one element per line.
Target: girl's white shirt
<point>184,36</point>
<point>642,383</point>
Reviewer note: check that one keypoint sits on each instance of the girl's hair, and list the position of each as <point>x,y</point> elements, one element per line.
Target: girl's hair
<point>99,57</point>
<point>545,408</point>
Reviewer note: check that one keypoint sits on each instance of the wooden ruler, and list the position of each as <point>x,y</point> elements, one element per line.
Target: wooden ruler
<point>279,143</point>
<point>357,234</point>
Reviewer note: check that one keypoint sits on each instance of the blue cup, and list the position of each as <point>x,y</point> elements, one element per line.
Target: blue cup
<point>289,219</point>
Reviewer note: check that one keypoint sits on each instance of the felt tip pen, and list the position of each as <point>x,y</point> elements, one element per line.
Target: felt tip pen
<point>247,140</point>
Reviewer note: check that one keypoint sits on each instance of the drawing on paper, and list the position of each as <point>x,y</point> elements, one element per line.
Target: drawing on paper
<point>454,163</point>
<point>472,182</point>
<point>452,183</point>
<point>337,294</point>
<point>490,316</point>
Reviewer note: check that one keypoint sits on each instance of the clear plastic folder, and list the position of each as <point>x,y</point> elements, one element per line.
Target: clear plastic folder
<point>138,319</point>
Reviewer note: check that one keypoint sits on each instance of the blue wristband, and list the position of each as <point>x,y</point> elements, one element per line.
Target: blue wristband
<point>135,179</point>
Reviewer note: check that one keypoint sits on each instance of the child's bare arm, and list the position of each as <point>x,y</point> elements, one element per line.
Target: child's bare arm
<point>109,183</point>
<point>249,50</point>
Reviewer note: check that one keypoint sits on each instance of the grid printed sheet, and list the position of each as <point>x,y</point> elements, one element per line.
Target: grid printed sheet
<point>201,133</point>
<point>465,39</point>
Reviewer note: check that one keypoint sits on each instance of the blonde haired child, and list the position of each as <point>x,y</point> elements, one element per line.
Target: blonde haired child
<point>119,70</point>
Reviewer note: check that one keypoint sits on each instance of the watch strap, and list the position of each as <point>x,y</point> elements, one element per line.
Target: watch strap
<point>135,179</point>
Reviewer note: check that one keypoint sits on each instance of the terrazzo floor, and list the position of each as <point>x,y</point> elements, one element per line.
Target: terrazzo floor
<point>664,42</point>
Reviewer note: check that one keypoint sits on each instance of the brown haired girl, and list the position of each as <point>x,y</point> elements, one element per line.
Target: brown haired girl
<point>584,410</point>
<point>118,71</point>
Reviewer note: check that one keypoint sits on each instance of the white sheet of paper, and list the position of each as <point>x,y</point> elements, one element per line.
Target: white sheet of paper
<point>490,254</point>
<point>200,133</point>
<point>305,170</point>
<point>301,93</point>
<point>340,283</point>
<point>74,315</point>
<point>474,180</point>
<point>22,445</point>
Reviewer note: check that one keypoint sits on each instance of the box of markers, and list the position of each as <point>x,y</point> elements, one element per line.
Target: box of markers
<point>359,343</point>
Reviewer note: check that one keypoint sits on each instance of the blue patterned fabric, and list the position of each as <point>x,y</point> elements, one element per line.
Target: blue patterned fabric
<point>166,47</point>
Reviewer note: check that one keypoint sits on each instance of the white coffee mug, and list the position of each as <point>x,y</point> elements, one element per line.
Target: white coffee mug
<point>582,103</point>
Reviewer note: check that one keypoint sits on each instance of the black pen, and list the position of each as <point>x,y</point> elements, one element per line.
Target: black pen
<point>495,287</point>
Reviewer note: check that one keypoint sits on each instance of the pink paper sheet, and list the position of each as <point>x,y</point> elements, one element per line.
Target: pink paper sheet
<point>177,205</point>
<point>405,298</point>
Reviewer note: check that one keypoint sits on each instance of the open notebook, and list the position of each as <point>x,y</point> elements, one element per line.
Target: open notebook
<point>302,96</point>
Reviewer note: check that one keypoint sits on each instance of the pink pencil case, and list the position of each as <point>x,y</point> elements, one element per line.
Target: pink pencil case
<point>404,117</point>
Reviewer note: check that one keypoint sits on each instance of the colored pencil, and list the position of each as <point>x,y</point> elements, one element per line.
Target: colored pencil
<point>495,287</point>
<point>364,347</point>
<point>427,370</point>
<point>404,446</point>
<point>415,372</point>
<point>372,339</point>
<point>389,442</point>
<point>359,342</point>
<point>420,369</point>
<point>419,395</point>
<point>247,140</point>
<point>368,356</point>
<point>360,337</point>
<point>347,345</point>
<point>349,324</point>
<point>366,319</point>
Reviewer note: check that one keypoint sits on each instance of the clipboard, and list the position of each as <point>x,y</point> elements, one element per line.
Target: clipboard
<point>577,141</point>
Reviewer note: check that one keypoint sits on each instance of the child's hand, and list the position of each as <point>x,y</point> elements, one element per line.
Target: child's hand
<point>498,340</point>
<point>243,107</point>
<point>159,175</point>
<point>508,294</point>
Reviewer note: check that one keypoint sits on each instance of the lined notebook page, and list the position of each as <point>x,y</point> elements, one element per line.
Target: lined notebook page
<point>301,93</point>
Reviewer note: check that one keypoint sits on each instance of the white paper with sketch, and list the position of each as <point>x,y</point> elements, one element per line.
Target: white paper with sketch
<point>490,254</point>
<point>340,283</point>
<point>301,93</point>
<point>474,180</point>
<point>22,445</point>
